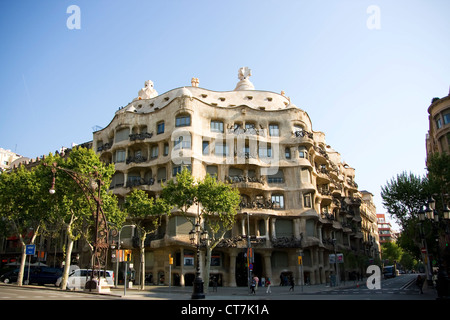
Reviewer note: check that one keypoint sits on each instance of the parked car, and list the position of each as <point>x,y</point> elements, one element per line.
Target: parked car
<point>10,276</point>
<point>38,275</point>
<point>77,279</point>
<point>45,275</point>
<point>389,272</point>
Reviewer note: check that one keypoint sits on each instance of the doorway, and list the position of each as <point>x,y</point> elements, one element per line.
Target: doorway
<point>242,269</point>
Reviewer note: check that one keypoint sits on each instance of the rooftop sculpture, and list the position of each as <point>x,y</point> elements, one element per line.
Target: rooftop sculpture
<point>243,74</point>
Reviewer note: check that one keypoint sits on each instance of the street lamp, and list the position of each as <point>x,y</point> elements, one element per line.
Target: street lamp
<point>91,191</point>
<point>431,214</point>
<point>196,234</point>
<point>117,258</point>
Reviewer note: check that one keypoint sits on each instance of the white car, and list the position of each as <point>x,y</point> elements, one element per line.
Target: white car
<point>77,279</point>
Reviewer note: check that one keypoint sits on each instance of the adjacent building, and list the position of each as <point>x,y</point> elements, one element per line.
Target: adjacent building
<point>297,196</point>
<point>385,230</point>
<point>438,137</point>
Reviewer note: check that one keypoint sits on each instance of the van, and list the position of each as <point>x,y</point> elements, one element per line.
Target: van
<point>77,278</point>
<point>39,275</point>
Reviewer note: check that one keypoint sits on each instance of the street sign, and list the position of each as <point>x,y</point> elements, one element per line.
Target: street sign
<point>251,266</point>
<point>30,249</point>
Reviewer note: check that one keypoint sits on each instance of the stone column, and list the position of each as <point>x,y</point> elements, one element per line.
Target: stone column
<point>266,225</point>
<point>274,234</point>
<point>232,270</point>
<point>268,265</point>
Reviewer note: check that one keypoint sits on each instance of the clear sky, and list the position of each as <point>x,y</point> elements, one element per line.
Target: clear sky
<point>364,71</point>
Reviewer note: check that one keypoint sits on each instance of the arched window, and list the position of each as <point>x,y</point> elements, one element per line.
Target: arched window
<point>183,120</point>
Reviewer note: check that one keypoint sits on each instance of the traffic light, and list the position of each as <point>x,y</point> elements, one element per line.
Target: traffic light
<point>127,255</point>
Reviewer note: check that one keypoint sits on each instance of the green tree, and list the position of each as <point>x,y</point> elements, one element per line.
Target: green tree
<point>391,251</point>
<point>23,207</point>
<point>218,203</point>
<point>77,179</point>
<point>404,196</point>
<point>146,214</point>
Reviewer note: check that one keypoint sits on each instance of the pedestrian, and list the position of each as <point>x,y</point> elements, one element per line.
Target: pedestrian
<point>268,286</point>
<point>419,283</point>
<point>252,286</point>
<point>214,281</point>
<point>291,282</point>
<point>257,281</point>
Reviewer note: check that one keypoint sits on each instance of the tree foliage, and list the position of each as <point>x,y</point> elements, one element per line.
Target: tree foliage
<point>218,202</point>
<point>145,213</point>
<point>404,195</point>
<point>23,206</point>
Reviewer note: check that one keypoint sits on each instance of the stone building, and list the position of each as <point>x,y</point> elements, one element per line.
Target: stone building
<point>299,197</point>
<point>438,137</point>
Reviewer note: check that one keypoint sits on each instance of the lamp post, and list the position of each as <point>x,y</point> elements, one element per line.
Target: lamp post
<point>196,234</point>
<point>90,185</point>
<point>438,221</point>
<point>117,257</point>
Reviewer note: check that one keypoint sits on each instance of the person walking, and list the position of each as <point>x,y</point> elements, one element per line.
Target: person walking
<point>419,283</point>
<point>257,281</point>
<point>252,286</point>
<point>268,286</point>
<point>291,282</point>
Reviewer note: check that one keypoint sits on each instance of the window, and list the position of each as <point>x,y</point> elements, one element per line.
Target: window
<point>160,127</point>
<point>307,200</point>
<point>120,155</point>
<point>278,201</point>
<point>276,178</point>
<point>161,175</point>
<point>122,134</point>
<point>274,131</point>
<point>287,153</point>
<point>183,142</point>
<point>438,122</point>
<point>178,169</point>
<point>183,121</point>
<point>265,152</point>
<point>205,147</point>
<point>220,149</point>
<point>212,170</point>
<point>166,149</point>
<point>446,118</point>
<point>154,152</point>
<point>216,126</point>
<point>302,153</point>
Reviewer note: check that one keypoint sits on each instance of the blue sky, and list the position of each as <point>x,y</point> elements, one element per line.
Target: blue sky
<point>367,89</point>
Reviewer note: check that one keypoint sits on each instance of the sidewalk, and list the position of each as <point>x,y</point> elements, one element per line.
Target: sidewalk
<point>175,292</point>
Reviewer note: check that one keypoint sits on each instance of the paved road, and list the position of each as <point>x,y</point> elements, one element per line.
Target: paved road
<point>399,288</point>
<point>225,303</point>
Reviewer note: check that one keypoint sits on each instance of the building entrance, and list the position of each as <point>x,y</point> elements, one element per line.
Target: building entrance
<point>242,269</point>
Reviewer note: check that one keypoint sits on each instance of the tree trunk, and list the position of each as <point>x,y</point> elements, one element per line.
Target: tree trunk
<point>207,269</point>
<point>23,258</point>
<point>65,275</point>
<point>142,261</point>
<point>70,241</point>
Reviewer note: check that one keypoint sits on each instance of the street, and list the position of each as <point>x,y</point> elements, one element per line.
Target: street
<point>399,295</point>
<point>399,288</point>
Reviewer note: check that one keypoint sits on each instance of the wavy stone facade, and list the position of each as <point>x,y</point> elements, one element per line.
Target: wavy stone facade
<point>297,193</point>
